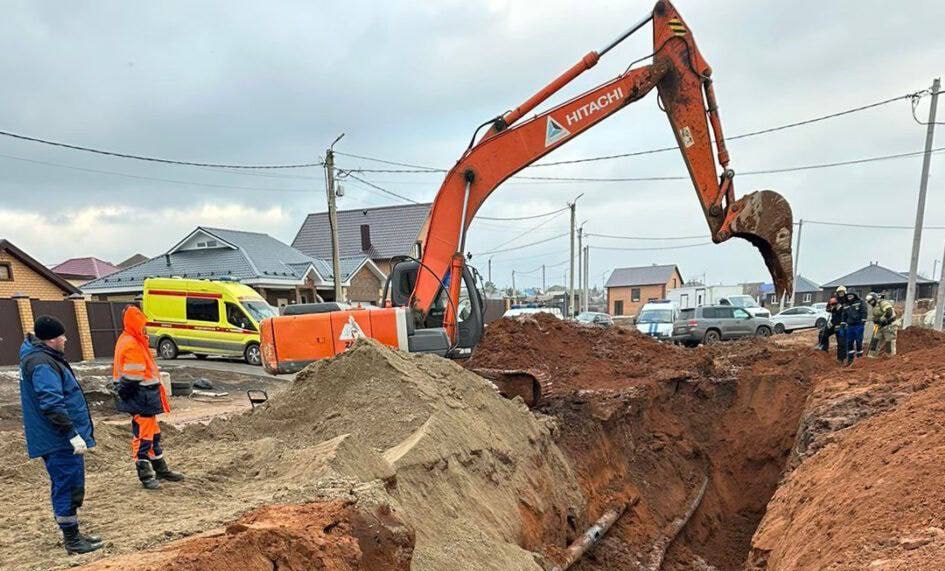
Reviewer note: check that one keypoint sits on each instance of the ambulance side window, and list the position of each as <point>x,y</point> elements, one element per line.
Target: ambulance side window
<point>199,309</point>
<point>237,318</point>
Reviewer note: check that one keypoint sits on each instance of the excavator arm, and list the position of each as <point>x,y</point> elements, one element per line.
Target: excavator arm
<point>683,79</point>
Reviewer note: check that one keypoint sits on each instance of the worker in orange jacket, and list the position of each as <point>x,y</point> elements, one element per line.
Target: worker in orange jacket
<point>141,395</point>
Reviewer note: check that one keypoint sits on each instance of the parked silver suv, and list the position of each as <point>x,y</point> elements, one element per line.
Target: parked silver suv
<point>713,323</point>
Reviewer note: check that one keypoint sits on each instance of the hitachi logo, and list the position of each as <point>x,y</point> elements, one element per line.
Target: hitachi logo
<point>594,106</point>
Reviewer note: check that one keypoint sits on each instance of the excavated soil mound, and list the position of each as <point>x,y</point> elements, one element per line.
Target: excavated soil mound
<point>648,423</point>
<point>916,338</point>
<point>333,536</point>
<point>871,495</point>
<point>576,357</point>
<point>478,479</point>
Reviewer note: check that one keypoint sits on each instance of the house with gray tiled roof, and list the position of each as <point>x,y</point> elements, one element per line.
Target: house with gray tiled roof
<point>379,233</point>
<point>878,279</point>
<point>279,272</point>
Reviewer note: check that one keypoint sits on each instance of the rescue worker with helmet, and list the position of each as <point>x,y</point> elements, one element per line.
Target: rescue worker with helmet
<point>885,323</point>
<point>854,322</point>
<point>141,395</point>
<point>835,309</point>
<point>830,329</point>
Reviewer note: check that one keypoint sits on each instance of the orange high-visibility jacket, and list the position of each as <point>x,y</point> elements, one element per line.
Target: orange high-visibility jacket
<point>133,359</point>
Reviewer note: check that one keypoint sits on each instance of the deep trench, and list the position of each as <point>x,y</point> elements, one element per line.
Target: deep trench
<point>658,443</point>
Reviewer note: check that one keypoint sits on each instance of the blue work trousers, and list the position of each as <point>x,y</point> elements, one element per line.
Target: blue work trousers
<point>67,476</point>
<point>854,336</point>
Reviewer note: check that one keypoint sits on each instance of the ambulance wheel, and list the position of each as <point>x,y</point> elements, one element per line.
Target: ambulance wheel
<point>252,355</point>
<point>167,349</point>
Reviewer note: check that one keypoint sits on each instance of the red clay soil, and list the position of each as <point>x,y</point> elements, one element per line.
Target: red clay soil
<point>915,338</point>
<point>648,421</point>
<point>330,536</point>
<point>871,494</point>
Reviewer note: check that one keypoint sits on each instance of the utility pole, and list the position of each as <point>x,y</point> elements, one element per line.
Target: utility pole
<point>513,286</point>
<point>580,268</point>
<point>543,288</point>
<point>934,268</point>
<point>940,299</point>
<point>587,269</point>
<point>920,208</point>
<point>490,269</point>
<point>797,260</point>
<point>333,217</point>
<point>572,206</point>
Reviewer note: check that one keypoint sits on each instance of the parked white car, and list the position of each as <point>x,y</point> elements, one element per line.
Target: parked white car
<point>656,319</point>
<point>799,318</point>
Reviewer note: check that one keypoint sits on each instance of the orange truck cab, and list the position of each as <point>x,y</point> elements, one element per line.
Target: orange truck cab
<point>308,332</point>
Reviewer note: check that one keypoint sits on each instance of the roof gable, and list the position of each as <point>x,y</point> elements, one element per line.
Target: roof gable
<point>642,275</point>
<point>33,264</point>
<point>804,285</point>
<point>394,231</point>
<point>874,274</point>
<point>88,267</point>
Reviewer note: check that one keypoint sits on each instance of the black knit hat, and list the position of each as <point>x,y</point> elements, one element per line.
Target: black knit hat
<point>47,327</point>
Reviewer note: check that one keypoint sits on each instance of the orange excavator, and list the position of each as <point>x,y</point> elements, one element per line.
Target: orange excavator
<point>427,309</point>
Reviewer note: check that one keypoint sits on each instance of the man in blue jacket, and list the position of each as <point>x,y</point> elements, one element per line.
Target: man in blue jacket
<point>57,424</point>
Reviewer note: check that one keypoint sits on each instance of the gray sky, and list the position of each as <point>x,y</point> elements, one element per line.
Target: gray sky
<point>275,82</point>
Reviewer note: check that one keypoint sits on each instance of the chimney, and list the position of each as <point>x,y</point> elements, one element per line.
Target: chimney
<point>365,237</point>
<point>167,260</point>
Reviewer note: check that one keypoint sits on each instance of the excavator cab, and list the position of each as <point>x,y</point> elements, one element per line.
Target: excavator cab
<point>429,335</point>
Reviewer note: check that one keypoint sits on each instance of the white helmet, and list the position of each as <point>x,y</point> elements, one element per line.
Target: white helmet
<point>872,298</point>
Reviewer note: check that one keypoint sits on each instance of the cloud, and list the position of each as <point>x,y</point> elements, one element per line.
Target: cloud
<point>116,233</point>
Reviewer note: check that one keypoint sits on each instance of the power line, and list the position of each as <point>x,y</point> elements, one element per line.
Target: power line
<point>157,179</point>
<point>652,249</point>
<point>522,217</point>
<point>420,168</point>
<point>873,226</point>
<point>532,229</point>
<point>152,159</point>
<point>701,236</point>
<point>380,188</point>
<point>523,245</point>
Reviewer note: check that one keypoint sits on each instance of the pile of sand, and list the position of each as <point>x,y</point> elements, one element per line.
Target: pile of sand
<point>473,475</point>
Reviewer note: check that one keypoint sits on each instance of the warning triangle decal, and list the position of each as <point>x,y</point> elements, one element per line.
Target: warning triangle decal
<point>554,132</point>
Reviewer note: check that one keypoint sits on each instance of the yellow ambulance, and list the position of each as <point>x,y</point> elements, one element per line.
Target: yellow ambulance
<point>204,317</point>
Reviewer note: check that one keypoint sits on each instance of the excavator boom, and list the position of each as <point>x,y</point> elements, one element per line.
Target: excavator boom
<point>683,79</point>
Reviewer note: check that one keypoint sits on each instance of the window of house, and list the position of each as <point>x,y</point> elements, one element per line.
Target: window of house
<point>199,309</point>
<point>6,273</point>
<point>618,307</point>
<point>808,298</point>
<point>635,294</point>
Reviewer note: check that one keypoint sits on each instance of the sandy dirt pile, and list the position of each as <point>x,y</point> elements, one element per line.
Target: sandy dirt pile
<point>867,491</point>
<point>647,422</point>
<point>475,477</point>
<point>915,338</point>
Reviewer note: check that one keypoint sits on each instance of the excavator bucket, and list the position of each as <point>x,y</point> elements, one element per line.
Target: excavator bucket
<point>514,383</point>
<point>764,218</point>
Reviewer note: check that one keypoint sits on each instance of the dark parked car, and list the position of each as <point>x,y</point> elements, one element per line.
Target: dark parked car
<point>713,323</point>
<point>595,318</point>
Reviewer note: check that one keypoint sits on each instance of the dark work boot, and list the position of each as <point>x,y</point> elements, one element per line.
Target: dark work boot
<point>146,475</point>
<point>163,472</point>
<point>77,543</point>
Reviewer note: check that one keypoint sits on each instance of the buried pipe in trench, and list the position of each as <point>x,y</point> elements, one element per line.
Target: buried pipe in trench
<point>658,553</point>
<point>581,545</point>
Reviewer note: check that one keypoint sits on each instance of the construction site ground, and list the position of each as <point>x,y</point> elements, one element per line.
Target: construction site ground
<point>760,454</point>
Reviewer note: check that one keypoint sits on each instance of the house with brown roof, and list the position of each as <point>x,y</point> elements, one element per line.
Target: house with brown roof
<point>628,289</point>
<point>21,274</point>
<point>133,261</point>
<point>78,271</point>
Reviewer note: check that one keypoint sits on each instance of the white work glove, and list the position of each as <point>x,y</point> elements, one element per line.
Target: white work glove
<point>78,445</point>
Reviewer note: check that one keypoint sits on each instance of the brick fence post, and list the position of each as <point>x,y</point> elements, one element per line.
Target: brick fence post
<point>85,331</point>
<point>26,312</point>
